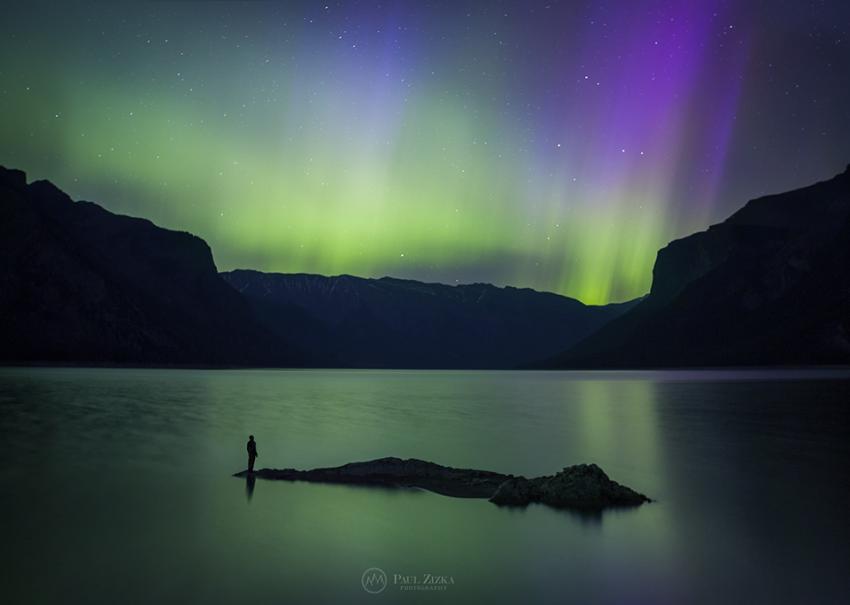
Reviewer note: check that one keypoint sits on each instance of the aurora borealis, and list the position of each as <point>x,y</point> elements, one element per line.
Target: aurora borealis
<point>542,144</point>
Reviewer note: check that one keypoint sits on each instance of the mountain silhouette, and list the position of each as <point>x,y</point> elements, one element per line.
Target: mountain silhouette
<point>79,284</point>
<point>397,323</point>
<point>770,285</point>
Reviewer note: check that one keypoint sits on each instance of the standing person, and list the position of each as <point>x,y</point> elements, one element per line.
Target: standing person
<point>252,453</point>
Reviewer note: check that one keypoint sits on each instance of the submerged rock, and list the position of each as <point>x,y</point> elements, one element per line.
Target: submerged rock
<point>584,486</point>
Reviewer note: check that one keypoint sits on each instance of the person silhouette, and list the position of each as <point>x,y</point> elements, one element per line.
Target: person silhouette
<point>252,453</point>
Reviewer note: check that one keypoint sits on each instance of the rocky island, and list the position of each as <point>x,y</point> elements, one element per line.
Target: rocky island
<point>579,487</point>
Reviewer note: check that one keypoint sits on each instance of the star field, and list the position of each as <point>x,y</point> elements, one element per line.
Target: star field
<point>554,145</point>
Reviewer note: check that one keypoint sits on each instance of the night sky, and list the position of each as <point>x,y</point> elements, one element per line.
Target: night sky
<point>556,145</point>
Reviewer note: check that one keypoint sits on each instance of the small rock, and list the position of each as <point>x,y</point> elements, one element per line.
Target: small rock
<point>586,486</point>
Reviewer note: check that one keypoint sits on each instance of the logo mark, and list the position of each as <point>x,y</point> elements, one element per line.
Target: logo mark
<point>374,580</point>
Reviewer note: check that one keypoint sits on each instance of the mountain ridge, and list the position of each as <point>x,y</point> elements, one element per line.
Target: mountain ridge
<point>80,285</point>
<point>769,285</point>
<point>392,322</point>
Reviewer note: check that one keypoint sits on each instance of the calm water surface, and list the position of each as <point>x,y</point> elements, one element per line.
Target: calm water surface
<point>116,487</point>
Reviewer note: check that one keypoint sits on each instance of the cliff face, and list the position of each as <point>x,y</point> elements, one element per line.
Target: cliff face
<point>402,323</point>
<point>777,232</point>
<point>79,284</point>
<point>767,286</point>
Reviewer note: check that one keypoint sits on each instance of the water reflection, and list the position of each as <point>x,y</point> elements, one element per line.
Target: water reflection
<point>749,471</point>
<point>250,481</point>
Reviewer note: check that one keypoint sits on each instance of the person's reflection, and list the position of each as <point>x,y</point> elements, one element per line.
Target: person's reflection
<point>250,480</point>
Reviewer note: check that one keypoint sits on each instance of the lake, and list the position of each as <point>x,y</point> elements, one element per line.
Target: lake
<point>116,486</point>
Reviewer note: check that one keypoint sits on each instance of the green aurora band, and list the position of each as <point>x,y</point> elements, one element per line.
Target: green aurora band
<point>312,139</point>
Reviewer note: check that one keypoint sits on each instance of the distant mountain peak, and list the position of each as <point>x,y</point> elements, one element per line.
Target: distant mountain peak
<point>12,178</point>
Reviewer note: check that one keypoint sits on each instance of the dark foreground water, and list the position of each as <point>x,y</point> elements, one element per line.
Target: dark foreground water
<point>115,487</point>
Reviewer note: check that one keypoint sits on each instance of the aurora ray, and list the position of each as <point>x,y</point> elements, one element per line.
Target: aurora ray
<point>550,145</point>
